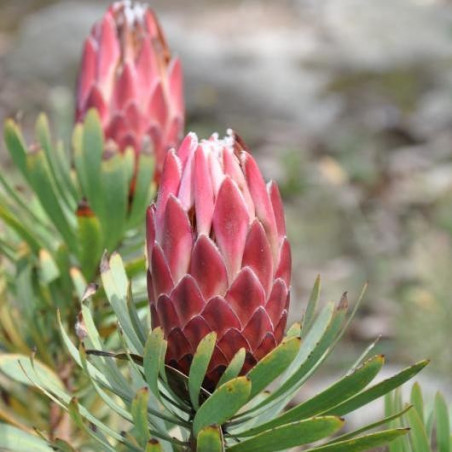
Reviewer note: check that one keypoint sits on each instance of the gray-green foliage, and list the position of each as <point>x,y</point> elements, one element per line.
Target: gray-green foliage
<point>161,409</point>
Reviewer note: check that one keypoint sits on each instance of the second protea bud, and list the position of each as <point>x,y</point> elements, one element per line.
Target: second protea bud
<point>127,74</point>
<point>219,259</point>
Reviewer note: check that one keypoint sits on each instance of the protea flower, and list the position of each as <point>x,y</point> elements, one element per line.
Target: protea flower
<point>128,75</point>
<point>219,259</point>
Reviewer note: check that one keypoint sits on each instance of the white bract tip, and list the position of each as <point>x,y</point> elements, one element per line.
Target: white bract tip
<point>133,12</point>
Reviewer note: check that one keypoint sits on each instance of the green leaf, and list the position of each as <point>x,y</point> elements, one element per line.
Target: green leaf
<point>210,439</point>
<point>14,365</point>
<point>78,281</point>
<point>15,440</point>
<point>386,420</point>
<point>199,365</point>
<point>139,414</point>
<point>115,184</point>
<point>418,436</point>
<point>144,190</point>
<point>16,146</point>
<point>222,404</point>
<point>48,269</point>
<point>19,228</point>
<point>291,435</point>
<point>57,168</point>
<point>362,443</point>
<point>417,400</point>
<point>140,326</point>
<point>273,365</point>
<point>442,424</point>
<point>234,367</point>
<point>47,193</point>
<point>316,339</point>
<point>311,308</point>
<point>378,390</point>
<point>116,284</point>
<point>310,355</point>
<point>74,411</point>
<point>89,150</point>
<point>324,401</point>
<point>154,359</point>
<point>90,242</point>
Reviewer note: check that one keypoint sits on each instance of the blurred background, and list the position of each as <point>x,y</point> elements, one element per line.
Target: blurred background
<point>346,103</point>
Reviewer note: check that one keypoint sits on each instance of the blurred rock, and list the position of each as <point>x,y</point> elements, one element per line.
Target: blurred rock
<point>49,42</point>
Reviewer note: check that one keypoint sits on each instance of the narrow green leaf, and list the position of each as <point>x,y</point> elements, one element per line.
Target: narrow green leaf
<point>78,281</point>
<point>316,338</point>
<point>140,328</point>
<point>418,435</point>
<point>73,351</point>
<point>48,269</point>
<point>90,241</point>
<point>62,181</point>
<point>16,146</point>
<point>104,396</point>
<point>79,163</point>
<point>362,443</point>
<point>291,435</point>
<point>273,365</point>
<point>378,390</point>
<point>199,365</point>
<point>210,439</point>
<point>89,165</point>
<point>115,284</point>
<point>222,404</point>
<point>16,440</point>
<point>311,308</point>
<point>19,228</point>
<point>73,410</point>
<point>154,359</point>
<point>64,167</point>
<point>417,400</point>
<point>442,424</point>
<point>323,402</point>
<point>21,204</point>
<point>311,354</point>
<point>47,193</point>
<point>115,193</point>
<point>234,367</point>
<point>139,414</point>
<point>387,420</point>
<point>14,365</point>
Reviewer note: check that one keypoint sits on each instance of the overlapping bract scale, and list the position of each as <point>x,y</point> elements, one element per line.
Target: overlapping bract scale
<point>218,255</point>
<point>128,75</point>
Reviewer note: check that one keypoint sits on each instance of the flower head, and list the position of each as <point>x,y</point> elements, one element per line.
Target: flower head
<point>128,75</point>
<point>219,259</point>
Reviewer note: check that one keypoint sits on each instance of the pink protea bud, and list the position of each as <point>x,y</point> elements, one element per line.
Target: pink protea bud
<point>218,256</point>
<point>128,75</point>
